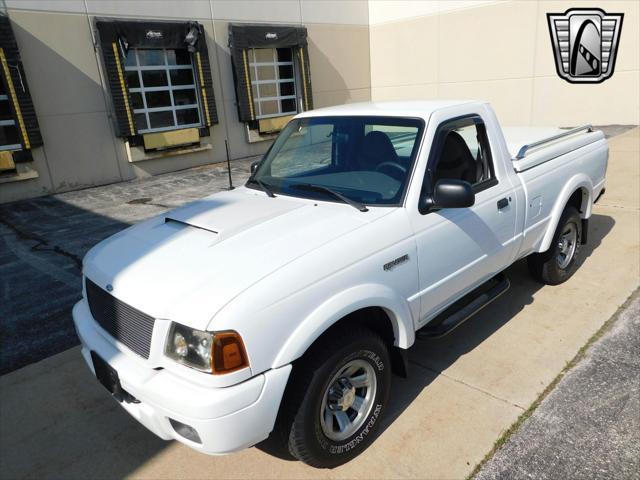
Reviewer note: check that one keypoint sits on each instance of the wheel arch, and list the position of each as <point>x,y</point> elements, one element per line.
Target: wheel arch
<point>577,192</point>
<point>376,307</point>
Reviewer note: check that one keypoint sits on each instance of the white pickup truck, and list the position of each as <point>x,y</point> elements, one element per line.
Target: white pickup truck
<point>283,306</point>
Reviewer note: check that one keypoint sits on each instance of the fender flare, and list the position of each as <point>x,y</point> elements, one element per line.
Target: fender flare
<point>579,180</point>
<point>341,305</point>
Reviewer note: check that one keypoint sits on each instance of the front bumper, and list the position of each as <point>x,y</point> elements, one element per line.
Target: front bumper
<point>226,419</point>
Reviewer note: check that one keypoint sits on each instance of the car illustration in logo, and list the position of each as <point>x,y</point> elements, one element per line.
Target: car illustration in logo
<point>585,43</point>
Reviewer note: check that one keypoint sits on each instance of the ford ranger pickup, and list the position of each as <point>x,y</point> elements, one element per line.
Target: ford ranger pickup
<point>281,308</point>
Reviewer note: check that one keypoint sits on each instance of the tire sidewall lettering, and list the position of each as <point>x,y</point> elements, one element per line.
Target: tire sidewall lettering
<point>361,435</point>
<point>339,449</point>
<point>374,357</point>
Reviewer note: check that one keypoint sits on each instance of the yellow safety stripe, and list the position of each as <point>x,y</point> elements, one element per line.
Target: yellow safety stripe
<point>14,98</point>
<point>123,87</point>
<point>248,82</point>
<point>204,93</point>
<point>304,79</point>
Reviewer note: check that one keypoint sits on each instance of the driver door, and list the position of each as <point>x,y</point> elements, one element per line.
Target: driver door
<point>460,248</point>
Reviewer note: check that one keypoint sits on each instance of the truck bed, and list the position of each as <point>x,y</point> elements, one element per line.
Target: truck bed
<point>518,137</point>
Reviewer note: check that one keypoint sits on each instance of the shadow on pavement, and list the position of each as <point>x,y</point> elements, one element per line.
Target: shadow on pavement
<point>42,242</point>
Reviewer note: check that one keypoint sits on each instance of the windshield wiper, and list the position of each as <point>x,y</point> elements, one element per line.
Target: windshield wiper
<point>321,188</point>
<point>263,186</point>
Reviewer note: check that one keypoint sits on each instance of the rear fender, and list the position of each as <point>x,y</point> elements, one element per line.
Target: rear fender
<point>578,181</point>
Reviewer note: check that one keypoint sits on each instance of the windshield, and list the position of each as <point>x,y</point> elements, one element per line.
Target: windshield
<point>366,159</point>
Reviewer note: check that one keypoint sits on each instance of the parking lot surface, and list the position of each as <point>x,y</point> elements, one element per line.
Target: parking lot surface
<point>589,425</point>
<point>43,240</point>
<point>462,393</point>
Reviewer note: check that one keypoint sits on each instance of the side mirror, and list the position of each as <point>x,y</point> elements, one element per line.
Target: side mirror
<point>449,193</point>
<point>254,166</point>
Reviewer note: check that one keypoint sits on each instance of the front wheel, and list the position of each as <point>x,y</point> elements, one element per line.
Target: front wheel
<point>558,264</point>
<point>338,394</point>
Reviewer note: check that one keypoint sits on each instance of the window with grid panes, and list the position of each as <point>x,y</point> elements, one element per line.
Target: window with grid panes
<point>163,89</point>
<point>9,134</point>
<point>273,82</point>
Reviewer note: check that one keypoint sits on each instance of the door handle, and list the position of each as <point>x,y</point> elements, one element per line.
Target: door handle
<point>503,203</point>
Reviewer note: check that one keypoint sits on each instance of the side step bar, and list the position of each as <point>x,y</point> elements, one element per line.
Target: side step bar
<point>465,308</point>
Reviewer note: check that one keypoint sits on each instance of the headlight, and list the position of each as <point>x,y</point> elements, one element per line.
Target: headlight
<point>217,353</point>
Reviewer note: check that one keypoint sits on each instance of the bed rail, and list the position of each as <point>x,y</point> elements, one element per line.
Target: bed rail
<point>523,150</point>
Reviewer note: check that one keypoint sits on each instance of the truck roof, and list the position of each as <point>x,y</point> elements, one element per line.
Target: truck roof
<point>406,108</point>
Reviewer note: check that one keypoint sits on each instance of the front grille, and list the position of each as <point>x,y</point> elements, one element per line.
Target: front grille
<point>123,322</point>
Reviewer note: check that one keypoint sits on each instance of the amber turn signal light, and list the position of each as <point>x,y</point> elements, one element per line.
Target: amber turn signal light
<point>228,353</point>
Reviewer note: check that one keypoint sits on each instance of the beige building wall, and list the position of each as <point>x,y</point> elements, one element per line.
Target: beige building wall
<point>500,52</point>
<point>359,50</point>
<point>72,101</point>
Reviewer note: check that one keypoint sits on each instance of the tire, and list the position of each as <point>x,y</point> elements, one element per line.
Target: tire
<point>558,263</point>
<point>321,385</point>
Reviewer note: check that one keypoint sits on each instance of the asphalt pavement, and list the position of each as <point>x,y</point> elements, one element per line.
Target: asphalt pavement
<point>43,241</point>
<point>589,426</point>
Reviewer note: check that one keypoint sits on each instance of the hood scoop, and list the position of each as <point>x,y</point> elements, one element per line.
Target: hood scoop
<point>169,219</point>
<point>225,216</point>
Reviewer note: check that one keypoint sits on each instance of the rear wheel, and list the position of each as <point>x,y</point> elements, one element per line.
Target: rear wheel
<point>558,263</point>
<point>337,396</point>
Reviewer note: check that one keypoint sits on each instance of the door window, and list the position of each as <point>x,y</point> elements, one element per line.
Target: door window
<point>463,153</point>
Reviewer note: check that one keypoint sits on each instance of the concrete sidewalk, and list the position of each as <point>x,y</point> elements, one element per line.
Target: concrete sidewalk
<point>463,391</point>
<point>589,425</point>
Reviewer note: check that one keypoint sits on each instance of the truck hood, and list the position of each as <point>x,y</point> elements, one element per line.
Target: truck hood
<point>187,264</point>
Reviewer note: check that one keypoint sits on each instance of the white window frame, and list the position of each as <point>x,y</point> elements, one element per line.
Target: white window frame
<point>257,99</point>
<point>169,87</point>
<point>8,123</point>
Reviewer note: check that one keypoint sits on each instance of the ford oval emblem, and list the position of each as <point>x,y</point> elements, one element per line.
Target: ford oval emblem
<point>109,287</point>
